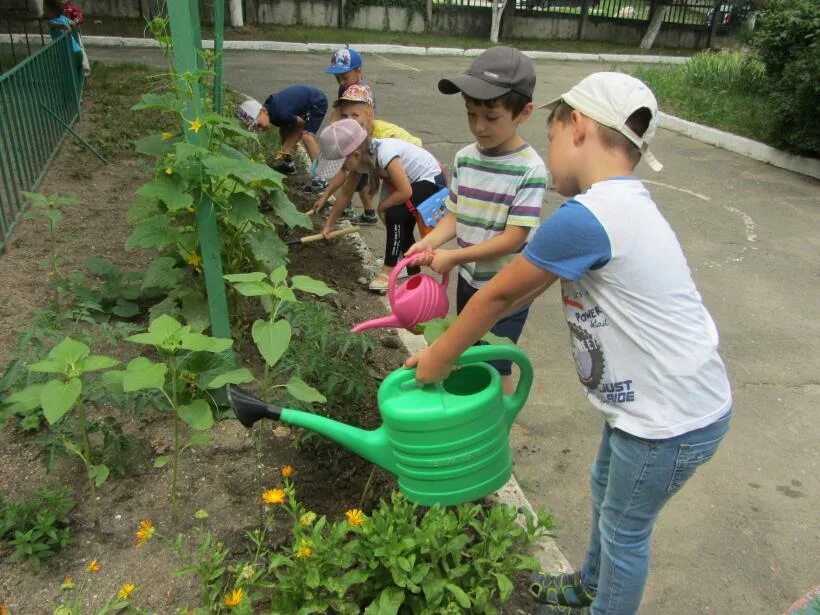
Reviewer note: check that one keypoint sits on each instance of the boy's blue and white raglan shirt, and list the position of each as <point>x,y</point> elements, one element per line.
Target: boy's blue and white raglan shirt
<point>488,192</point>
<point>645,347</point>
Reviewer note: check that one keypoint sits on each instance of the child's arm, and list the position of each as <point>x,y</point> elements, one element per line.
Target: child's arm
<point>520,280</point>
<point>509,241</point>
<point>402,191</point>
<point>342,201</point>
<point>335,183</point>
<point>444,231</point>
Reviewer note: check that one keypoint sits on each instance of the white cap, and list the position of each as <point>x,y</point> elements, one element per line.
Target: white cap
<point>248,112</point>
<point>609,99</point>
<point>337,141</point>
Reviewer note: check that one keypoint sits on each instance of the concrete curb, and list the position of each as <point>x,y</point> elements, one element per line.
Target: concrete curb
<point>741,145</point>
<point>546,551</point>
<point>119,41</point>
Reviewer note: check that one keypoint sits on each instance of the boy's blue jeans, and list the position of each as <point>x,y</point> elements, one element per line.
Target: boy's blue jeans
<point>632,479</point>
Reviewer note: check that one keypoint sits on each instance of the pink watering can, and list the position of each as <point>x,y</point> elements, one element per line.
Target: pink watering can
<point>419,299</point>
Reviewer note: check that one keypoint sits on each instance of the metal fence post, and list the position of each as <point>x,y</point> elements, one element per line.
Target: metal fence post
<point>219,36</point>
<point>187,42</point>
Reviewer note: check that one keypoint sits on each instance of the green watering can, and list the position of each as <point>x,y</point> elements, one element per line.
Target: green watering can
<point>446,443</point>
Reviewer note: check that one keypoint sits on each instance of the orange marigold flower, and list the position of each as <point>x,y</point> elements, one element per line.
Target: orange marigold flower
<point>304,549</point>
<point>145,532</point>
<point>68,583</point>
<point>126,590</point>
<point>93,566</point>
<point>4,610</point>
<point>287,471</point>
<point>234,598</point>
<point>274,496</point>
<point>355,517</point>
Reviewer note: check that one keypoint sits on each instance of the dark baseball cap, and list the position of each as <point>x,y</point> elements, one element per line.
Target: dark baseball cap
<point>492,74</point>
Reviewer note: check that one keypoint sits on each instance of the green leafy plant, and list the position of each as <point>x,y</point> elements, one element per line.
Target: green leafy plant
<point>77,599</point>
<point>37,527</point>
<point>70,367</point>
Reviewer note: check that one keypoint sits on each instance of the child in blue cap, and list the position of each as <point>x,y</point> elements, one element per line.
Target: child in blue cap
<point>298,111</point>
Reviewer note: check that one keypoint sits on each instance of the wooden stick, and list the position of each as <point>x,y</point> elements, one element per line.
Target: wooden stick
<point>319,236</point>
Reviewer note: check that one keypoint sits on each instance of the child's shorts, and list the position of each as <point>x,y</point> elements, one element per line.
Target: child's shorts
<point>314,117</point>
<point>509,326</point>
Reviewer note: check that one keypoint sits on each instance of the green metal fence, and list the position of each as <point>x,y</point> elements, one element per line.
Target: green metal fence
<point>39,99</point>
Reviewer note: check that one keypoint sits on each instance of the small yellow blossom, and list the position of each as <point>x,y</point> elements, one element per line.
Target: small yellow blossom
<point>169,170</point>
<point>201,514</point>
<point>167,135</point>
<point>287,471</point>
<point>68,583</point>
<point>274,496</point>
<point>194,260</point>
<point>196,125</point>
<point>4,610</point>
<point>125,591</point>
<point>234,598</point>
<point>145,532</point>
<point>355,517</point>
<point>304,549</point>
<point>93,566</point>
<point>308,518</point>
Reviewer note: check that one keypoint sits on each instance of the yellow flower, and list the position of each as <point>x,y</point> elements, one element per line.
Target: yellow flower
<point>196,125</point>
<point>145,532</point>
<point>274,496</point>
<point>93,566</point>
<point>169,171</point>
<point>68,584</point>
<point>234,598</point>
<point>307,519</point>
<point>201,514</point>
<point>355,517</point>
<point>194,260</point>
<point>304,549</point>
<point>4,610</point>
<point>125,591</point>
<point>287,471</point>
<point>167,135</point>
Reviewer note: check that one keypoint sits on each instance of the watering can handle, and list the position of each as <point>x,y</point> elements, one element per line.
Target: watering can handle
<point>494,352</point>
<point>407,261</point>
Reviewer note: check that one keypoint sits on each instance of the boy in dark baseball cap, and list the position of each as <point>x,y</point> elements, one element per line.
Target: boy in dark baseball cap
<point>497,185</point>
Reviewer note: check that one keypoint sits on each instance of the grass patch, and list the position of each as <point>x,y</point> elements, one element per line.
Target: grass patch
<point>308,34</point>
<point>725,90</point>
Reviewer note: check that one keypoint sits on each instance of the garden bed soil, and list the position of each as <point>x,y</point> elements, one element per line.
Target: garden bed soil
<point>219,478</point>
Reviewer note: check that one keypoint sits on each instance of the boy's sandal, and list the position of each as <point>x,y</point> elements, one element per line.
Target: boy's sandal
<point>560,589</point>
<point>379,283</point>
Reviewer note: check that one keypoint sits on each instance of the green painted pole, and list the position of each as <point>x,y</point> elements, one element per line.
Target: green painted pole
<point>186,40</point>
<point>219,36</point>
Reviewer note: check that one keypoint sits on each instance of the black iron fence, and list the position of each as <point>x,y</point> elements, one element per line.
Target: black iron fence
<point>20,35</point>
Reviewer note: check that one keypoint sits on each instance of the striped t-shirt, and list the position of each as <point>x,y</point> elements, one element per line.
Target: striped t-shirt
<point>489,192</point>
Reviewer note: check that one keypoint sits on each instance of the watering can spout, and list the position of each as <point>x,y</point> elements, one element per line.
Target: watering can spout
<point>372,445</point>
<point>383,322</point>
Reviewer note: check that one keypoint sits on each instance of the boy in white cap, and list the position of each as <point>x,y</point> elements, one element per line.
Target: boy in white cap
<point>645,347</point>
<point>298,111</point>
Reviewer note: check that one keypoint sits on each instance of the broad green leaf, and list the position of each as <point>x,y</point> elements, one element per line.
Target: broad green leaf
<point>184,151</point>
<point>433,589</point>
<point>198,341</point>
<point>25,400</point>
<point>69,350</point>
<point>154,232</point>
<point>310,285</point>
<point>302,391</point>
<point>279,274</point>
<point>267,247</point>
<point>125,308</point>
<point>162,273</point>
<point>112,380</point>
<point>142,209</point>
<point>161,461</point>
<point>388,603</point>
<point>97,362</point>
<point>141,373</point>
<point>102,267</point>
<point>236,376</point>
<point>243,170</point>
<point>505,586</point>
<point>57,398</point>
<point>287,212</point>
<point>99,473</point>
<point>272,339</point>
<point>435,328</point>
<point>285,294</point>
<point>49,366</point>
<point>195,311</point>
<point>458,593</point>
<point>169,189</point>
<point>492,338</point>
<point>197,414</point>
<point>164,102</point>
<point>199,439</point>
<point>256,276</point>
<point>253,289</point>
<point>243,209</point>
<point>154,145</point>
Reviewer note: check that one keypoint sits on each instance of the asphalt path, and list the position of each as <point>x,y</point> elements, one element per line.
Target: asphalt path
<point>743,537</point>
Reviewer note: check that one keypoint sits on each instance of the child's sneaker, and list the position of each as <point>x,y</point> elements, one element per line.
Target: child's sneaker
<point>379,283</point>
<point>560,589</point>
<point>348,214</point>
<point>284,164</point>
<point>316,186</point>
<point>368,218</point>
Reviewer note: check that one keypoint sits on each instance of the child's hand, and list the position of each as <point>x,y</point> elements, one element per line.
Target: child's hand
<point>419,246</point>
<point>443,261</point>
<point>319,203</point>
<point>422,258</point>
<point>326,230</point>
<point>429,368</point>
